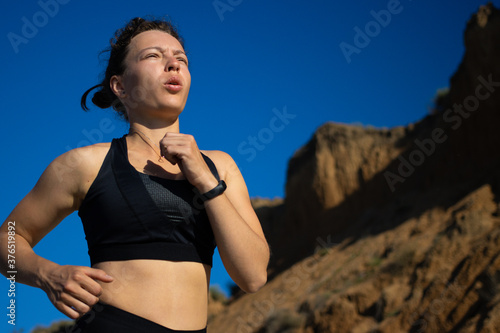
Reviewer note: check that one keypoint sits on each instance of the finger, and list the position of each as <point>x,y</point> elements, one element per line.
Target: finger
<point>171,158</point>
<point>76,291</point>
<point>88,282</point>
<point>98,274</point>
<point>171,138</point>
<point>83,284</point>
<point>68,311</point>
<point>173,135</point>
<point>173,148</point>
<point>177,139</point>
<point>172,153</point>
<point>181,150</point>
<point>72,307</point>
<point>92,290</point>
<point>79,305</point>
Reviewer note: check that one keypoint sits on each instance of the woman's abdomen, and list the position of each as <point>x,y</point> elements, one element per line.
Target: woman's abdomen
<point>172,294</point>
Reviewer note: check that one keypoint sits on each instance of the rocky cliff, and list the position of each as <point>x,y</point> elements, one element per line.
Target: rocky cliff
<point>393,230</point>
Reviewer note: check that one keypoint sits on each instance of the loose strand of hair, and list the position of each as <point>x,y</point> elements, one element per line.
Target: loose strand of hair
<point>83,102</point>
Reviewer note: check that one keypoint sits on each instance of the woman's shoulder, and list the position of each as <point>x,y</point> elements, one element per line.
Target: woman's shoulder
<point>70,174</point>
<point>92,151</point>
<point>78,163</point>
<point>87,156</point>
<point>224,163</point>
<point>77,168</point>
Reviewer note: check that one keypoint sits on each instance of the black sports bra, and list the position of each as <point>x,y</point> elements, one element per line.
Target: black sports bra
<point>129,215</point>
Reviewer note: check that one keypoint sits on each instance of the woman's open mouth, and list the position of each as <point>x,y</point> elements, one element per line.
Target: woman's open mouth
<point>173,84</point>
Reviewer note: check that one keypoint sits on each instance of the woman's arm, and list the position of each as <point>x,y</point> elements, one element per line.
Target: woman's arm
<point>242,245</point>
<point>57,193</point>
<point>237,230</point>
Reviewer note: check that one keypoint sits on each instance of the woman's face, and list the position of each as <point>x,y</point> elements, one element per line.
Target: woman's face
<point>156,78</point>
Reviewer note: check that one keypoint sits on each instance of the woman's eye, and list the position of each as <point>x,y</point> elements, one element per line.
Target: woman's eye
<point>151,55</point>
<point>183,60</point>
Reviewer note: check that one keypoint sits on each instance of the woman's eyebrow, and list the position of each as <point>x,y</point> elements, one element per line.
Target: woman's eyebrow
<point>162,50</point>
<point>176,52</point>
<point>152,47</point>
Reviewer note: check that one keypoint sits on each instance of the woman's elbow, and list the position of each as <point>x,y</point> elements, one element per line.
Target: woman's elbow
<point>255,284</point>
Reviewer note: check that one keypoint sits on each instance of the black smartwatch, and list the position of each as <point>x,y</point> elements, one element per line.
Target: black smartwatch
<point>216,191</point>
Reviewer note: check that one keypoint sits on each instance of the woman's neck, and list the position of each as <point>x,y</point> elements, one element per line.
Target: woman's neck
<point>154,131</point>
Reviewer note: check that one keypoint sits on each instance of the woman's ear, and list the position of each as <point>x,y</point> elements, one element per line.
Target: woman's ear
<point>115,83</point>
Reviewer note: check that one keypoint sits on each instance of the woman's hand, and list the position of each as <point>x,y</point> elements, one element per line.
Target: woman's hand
<point>73,289</point>
<point>182,149</point>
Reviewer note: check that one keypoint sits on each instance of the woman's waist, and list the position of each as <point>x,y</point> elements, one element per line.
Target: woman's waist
<point>166,292</point>
<point>147,274</point>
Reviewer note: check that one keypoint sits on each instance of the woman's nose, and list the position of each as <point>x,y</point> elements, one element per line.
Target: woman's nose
<point>172,64</point>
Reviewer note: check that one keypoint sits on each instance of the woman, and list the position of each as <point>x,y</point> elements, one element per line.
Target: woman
<point>152,205</point>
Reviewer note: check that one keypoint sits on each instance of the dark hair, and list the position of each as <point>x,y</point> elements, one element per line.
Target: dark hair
<point>105,98</point>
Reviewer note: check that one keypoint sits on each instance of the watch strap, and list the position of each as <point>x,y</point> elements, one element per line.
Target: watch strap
<point>216,191</point>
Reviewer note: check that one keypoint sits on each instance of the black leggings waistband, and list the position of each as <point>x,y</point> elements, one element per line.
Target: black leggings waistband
<point>105,318</point>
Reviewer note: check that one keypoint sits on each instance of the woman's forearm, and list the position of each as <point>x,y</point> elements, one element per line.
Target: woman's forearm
<point>72,289</point>
<point>21,258</point>
<point>244,253</point>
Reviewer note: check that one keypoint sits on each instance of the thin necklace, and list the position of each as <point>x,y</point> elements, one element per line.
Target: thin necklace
<point>160,159</point>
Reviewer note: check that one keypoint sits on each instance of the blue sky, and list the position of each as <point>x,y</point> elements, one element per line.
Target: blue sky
<point>265,76</point>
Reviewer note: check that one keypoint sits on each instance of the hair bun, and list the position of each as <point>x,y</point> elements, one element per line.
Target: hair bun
<point>101,99</point>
